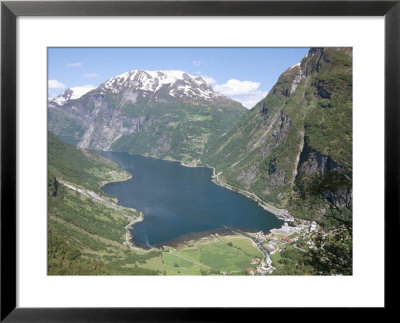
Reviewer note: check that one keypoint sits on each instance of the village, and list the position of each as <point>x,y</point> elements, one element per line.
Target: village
<point>279,239</point>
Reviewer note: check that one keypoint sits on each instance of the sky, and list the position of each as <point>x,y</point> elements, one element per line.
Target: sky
<point>243,74</point>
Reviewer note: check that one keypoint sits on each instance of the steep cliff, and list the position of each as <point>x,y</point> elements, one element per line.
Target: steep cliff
<point>304,125</point>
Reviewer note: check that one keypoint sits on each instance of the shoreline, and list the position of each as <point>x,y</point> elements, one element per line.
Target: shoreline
<point>175,161</point>
<point>279,213</point>
<point>129,236</point>
<point>188,238</point>
<point>104,183</point>
<point>133,220</point>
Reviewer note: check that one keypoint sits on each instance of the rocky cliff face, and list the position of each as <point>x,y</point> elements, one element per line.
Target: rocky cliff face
<point>161,113</point>
<point>304,125</point>
<point>312,161</point>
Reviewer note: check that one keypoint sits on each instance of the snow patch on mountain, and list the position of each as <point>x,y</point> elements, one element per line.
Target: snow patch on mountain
<point>80,91</point>
<point>295,65</point>
<point>72,93</point>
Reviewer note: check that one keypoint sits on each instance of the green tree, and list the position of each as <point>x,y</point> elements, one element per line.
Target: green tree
<point>332,190</point>
<point>333,254</point>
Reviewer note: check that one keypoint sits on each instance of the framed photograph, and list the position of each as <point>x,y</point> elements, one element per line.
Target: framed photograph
<point>179,160</point>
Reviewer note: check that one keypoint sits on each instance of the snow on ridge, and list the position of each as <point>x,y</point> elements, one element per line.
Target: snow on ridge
<point>293,66</point>
<point>163,76</point>
<point>60,100</point>
<point>80,91</point>
<point>179,81</point>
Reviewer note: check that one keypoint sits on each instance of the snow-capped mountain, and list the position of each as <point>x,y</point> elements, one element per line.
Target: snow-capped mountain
<point>157,84</point>
<point>72,94</point>
<point>138,86</point>
<point>162,113</point>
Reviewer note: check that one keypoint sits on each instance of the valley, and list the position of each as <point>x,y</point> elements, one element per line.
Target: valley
<point>90,232</point>
<point>290,156</point>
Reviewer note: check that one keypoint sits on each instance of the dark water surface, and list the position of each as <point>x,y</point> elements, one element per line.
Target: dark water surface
<point>178,200</point>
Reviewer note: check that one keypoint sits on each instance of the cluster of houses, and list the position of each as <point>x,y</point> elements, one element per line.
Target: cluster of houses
<point>262,269</point>
<point>277,240</point>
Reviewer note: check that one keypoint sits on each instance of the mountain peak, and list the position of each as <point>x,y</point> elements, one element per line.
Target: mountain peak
<point>173,83</point>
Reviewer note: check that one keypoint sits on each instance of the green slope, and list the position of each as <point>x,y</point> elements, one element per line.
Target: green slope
<point>178,131</point>
<point>293,131</point>
<point>86,229</point>
<point>76,165</point>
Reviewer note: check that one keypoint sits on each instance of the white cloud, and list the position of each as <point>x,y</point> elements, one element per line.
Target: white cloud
<point>90,74</point>
<point>246,92</point>
<point>196,62</point>
<point>54,84</point>
<point>74,64</point>
<point>236,87</point>
<point>210,80</point>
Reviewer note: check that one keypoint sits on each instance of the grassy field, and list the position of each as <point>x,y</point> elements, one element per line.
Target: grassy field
<point>275,258</point>
<point>243,244</point>
<point>213,255</point>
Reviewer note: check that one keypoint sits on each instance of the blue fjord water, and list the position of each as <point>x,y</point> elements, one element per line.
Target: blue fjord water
<point>177,201</point>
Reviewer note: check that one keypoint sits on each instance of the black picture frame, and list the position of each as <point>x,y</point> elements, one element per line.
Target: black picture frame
<point>10,10</point>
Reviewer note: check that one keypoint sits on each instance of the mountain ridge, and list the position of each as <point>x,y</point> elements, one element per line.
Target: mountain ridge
<point>166,114</point>
<point>151,84</point>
